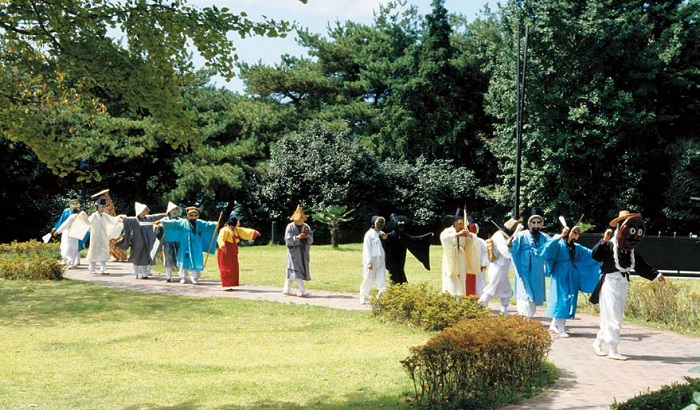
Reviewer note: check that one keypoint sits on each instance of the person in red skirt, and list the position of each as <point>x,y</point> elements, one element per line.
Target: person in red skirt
<point>227,251</point>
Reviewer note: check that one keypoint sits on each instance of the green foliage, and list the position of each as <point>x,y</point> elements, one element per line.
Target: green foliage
<point>478,363</point>
<point>318,167</point>
<point>674,396</point>
<point>434,107</point>
<point>64,76</point>
<point>425,189</point>
<point>601,106</point>
<point>673,305</point>
<point>333,216</point>
<point>30,261</point>
<point>416,305</point>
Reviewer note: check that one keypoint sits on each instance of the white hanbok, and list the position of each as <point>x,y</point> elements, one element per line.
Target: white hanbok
<point>70,247</point>
<point>103,227</point>
<point>454,262</point>
<point>499,282</point>
<point>372,252</point>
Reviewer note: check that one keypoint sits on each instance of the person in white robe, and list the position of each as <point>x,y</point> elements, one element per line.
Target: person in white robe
<point>500,264</point>
<point>454,258</point>
<point>373,260</point>
<point>103,228</point>
<point>483,259</point>
<point>70,247</point>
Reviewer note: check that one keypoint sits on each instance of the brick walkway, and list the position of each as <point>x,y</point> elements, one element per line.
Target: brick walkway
<point>656,358</point>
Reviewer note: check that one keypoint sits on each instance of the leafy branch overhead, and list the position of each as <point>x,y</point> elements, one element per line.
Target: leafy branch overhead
<point>70,68</point>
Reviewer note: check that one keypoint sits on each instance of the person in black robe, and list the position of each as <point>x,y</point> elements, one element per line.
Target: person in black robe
<point>395,243</point>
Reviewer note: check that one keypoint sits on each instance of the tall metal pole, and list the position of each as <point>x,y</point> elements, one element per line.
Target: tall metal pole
<point>520,102</point>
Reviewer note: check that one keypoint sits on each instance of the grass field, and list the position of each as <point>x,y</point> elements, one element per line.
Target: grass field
<point>73,345</point>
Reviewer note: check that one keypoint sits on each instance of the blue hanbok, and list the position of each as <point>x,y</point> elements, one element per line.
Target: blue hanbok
<point>571,269</point>
<point>193,242</point>
<point>529,266</point>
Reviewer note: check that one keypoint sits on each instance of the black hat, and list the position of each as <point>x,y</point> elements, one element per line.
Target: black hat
<point>459,214</point>
<point>101,201</point>
<point>536,213</point>
<point>395,221</point>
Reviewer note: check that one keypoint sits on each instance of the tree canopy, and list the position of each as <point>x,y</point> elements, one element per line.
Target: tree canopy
<point>76,74</point>
<point>411,114</point>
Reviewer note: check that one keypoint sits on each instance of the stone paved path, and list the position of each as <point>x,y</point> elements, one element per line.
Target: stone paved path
<point>656,358</point>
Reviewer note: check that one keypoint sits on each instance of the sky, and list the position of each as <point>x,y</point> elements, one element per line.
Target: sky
<point>315,15</point>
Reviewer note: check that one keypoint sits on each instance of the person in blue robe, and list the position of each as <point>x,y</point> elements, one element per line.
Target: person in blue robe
<point>526,250</point>
<point>195,237</point>
<point>571,268</point>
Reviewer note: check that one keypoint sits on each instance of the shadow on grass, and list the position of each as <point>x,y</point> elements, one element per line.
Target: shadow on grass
<point>30,302</point>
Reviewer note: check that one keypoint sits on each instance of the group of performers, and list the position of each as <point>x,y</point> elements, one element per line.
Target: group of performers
<point>602,272</point>
<point>466,259</point>
<point>182,241</point>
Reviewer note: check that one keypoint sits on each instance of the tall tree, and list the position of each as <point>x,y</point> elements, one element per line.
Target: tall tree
<point>432,108</point>
<point>596,124</point>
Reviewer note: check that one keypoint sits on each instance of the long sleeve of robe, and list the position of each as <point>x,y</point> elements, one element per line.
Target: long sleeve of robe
<point>568,276</point>
<point>140,236</point>
<point>192,242</point>
<point>395,246</point>
<point>529,266</point>
<point>64,215</point>
<point>298,251</point>
<point>103,227</point>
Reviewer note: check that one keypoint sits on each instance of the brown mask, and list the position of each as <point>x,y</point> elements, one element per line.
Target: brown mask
<point>630,233</point>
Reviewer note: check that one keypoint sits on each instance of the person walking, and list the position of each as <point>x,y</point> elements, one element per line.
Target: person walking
<point>454,241</point>
<point>571,269</point>
<point>170,248</point>
<point>227,251</point>
<point>70,247</point>
<point>616,252</point>
<point>195,237</point>
<point>104,228</point>
<point>298,237</point>
<point>500,263</point>
<point>526,250</point>
<point>140,236</point>
<point>373,260</point>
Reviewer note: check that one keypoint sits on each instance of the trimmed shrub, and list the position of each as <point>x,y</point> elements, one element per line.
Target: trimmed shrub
<point>674,396</point>
<point>478,363</point>
<point>31,260</point>
<point>429,310</point>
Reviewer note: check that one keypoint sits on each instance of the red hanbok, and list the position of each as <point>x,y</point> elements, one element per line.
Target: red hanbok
<point>228,253</point>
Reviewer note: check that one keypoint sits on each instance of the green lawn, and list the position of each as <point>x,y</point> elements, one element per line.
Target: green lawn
<point>334,270</point>
<point>73,345</point>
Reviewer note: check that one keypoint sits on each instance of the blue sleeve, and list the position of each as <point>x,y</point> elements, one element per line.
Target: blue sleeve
<point>64,215</point>
<point>173,230</point>
<point>208,236</point>
<point>588,269</point>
